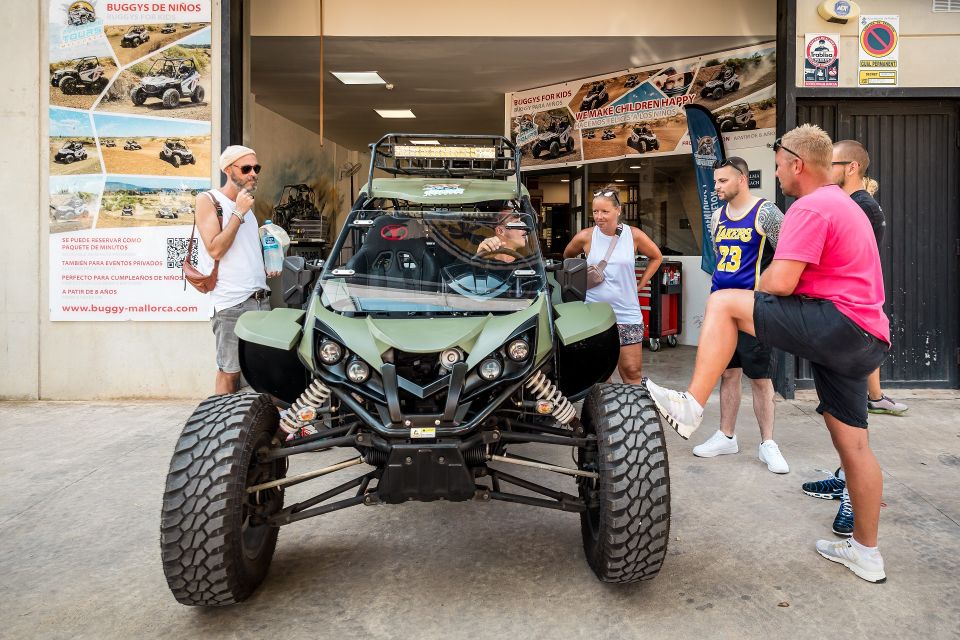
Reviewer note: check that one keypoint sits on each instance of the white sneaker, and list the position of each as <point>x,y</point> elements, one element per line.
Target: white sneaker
<point>717,445</point>
<point>843,552</point>
<point>769,453</point>
<point>681,411</point>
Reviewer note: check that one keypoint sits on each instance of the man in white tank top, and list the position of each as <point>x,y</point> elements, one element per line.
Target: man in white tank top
<point>234,241</point>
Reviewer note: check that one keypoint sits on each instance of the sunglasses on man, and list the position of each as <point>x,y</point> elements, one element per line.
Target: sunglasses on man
<point>777,145</point>
<point>247,168</point>
<point>720,164</point>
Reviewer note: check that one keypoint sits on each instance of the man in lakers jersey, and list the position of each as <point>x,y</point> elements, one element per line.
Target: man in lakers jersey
<point>744,230</point>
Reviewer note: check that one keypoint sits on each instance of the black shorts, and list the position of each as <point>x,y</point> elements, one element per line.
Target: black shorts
<point>841,354</point>
<point>752,356</point>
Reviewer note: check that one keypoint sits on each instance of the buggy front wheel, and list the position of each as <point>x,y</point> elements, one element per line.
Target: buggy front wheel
<point>626,526</point>
<point>171,98</point>
<point>215,542</point>
<point>197,96</point>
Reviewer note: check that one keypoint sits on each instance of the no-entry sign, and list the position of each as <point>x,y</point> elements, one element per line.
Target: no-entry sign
<point>879,50</point>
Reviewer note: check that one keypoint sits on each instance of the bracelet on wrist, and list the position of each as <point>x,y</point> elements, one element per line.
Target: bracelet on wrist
<point>239,217</point>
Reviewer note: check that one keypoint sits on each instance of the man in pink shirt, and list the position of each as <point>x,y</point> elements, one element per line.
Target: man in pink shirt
<point>821,299</point>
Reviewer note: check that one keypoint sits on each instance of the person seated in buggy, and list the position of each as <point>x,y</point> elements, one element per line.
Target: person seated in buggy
<point>506,237</point>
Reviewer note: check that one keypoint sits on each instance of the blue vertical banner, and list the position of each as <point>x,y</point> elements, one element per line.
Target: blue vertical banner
<point>707,145</point>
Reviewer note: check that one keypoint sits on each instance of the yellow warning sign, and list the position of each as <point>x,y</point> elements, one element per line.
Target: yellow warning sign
<point>869,77</point>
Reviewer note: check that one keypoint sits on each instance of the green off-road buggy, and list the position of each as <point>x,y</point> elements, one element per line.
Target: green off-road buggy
<point>427,363</point>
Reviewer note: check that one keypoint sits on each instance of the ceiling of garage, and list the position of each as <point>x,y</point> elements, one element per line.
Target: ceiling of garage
<point>451,84</point>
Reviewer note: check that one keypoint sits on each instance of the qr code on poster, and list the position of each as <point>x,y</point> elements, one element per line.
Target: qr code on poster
<point>177,251</point>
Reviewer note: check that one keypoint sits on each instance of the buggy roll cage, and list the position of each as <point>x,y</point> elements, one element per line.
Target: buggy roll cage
<point>504,163</point>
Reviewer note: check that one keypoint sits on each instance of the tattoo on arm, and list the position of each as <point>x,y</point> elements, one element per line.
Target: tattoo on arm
<point>769,219</point>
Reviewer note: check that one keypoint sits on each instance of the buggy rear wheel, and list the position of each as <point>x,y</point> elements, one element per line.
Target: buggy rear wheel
<point>215,545</point>
<point>626,526</point>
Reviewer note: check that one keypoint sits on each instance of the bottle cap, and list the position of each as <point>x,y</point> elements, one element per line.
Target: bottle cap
<point>268,222</point>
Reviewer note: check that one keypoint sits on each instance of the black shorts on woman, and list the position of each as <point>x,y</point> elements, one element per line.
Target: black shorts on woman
<point>841,353</point>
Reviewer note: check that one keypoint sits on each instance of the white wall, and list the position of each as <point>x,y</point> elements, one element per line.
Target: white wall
<point>510,18</point>
<point>21,207</point>
<point>928,41</point>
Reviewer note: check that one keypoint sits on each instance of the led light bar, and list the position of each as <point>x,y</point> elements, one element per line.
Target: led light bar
<point>432,151</point>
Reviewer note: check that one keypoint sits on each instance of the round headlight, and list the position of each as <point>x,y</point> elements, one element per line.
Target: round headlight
<point>358,371</point>
<point>450,357</point>
<point>490,369</point>
<point>330,352</point>
<point>518,349</point>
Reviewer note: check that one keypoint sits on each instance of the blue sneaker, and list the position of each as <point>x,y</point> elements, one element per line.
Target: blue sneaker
<point>829,489</point>
<point>843,523</point>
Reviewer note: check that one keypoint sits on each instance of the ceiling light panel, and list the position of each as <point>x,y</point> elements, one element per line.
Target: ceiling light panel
<point>358,77</point>
<point>395,113</point>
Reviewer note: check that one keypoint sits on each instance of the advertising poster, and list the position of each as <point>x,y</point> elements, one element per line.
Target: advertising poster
<point>640,111</point>
<point>821,60</point>
<point>130,149</point>
<point>879,51</point>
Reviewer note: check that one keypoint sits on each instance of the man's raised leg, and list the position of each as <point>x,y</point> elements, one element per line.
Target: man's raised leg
<point>728,311</point>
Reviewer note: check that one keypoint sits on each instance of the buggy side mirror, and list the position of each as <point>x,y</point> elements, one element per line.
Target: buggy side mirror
<point>297,279</point>
<point>573,280</point>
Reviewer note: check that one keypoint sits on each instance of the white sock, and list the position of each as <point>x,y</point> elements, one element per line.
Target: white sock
<point>842,475</point>
<point>867,551</point>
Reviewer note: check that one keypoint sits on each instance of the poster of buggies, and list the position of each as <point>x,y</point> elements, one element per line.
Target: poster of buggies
<point>129,137</point>
<point>639,112</point>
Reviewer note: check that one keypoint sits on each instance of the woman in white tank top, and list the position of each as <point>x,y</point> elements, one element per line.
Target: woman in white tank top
<point>619,287</point>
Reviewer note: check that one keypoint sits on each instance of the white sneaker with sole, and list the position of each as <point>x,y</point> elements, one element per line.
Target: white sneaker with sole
<point>769,453</point>
<point>680,410</point>
<point>717,445</point>
<point>843,552</point>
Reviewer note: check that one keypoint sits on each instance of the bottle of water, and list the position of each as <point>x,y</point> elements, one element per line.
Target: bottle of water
<point>272,251</point>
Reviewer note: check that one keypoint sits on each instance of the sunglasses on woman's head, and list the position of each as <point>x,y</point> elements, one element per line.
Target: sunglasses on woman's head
<point>247,168</point>
<point>607,193</point>
<point>777,145</point>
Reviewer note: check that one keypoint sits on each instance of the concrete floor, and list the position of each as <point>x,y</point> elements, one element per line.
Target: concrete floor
<point>79,553</point>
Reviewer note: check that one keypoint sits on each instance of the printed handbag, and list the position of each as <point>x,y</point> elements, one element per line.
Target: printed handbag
<point>197,279</point>
<point>595,271</point>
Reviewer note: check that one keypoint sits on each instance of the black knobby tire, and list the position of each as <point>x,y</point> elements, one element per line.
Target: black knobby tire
<point>171,98</point>
<point>213,552</point>
<point>197,95</point>
<point>535,152</point>
<point>626,530</point>
<point>726,125</point>
<point>554,149</point>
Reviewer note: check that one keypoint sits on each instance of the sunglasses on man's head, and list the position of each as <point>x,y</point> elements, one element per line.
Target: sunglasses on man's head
<point>720,164</point>
<point>247,168</point>
<point>777,145</point>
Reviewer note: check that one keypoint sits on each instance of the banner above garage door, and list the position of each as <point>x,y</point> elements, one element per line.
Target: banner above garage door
<point>640,111</point>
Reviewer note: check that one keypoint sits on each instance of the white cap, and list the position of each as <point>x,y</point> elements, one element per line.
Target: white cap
<point>233,153</point>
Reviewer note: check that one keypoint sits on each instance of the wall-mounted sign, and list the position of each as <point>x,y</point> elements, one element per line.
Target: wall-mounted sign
<point>821,60</point>
<point>753,180</point>
<point>639,112</point>
<point>129,142</point>
<point>879,50</point>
